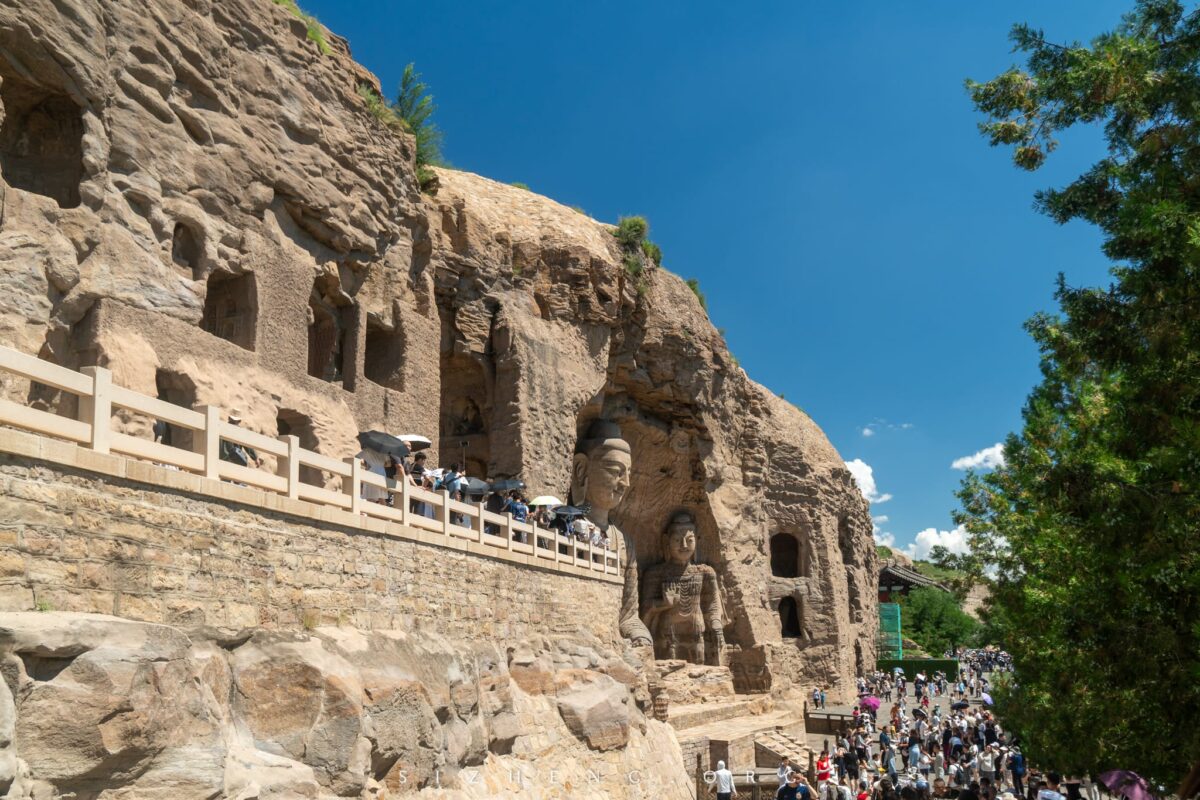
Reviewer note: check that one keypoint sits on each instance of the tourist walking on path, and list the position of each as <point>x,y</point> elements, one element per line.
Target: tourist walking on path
<point>723,782</point>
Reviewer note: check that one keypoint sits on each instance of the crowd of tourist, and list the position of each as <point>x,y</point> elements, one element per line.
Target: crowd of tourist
<point>901,745</point>
<point>503,497</point>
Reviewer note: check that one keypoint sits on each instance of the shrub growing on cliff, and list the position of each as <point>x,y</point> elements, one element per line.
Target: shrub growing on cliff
<point>316,34</point>
<point>694,285</point>
<point>415,106</point>
<point>652,251</point>
<point>380,109</point>
<point>631,231</point>
<point>633,266</point>
<point>520,185</point>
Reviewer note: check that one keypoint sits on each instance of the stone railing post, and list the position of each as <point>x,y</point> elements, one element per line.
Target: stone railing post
<point>288,467</point>
<point>508,530</point>
<point>479,521</point>
<point>405,482</point>
<point>446,513</point>
<point>96,410</point>
<point>207,440</point>
<point>353,484</point>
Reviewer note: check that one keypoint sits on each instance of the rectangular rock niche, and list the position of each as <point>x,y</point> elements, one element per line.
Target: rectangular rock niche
<point>41,140</point>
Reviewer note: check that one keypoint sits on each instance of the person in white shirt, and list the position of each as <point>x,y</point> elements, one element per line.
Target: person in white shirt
<point>723,779</point>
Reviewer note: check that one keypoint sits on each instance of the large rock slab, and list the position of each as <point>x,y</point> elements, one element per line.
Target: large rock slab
<point>595,708</point>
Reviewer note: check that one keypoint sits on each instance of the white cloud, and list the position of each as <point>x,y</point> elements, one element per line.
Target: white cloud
<point>872,428</point>
<point>882,537</point>
<point>955,541</point>
<point>987,458</point>
<point>864,476</point>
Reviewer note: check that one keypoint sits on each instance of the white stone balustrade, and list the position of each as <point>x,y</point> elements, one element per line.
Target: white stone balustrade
<point>454,521</point>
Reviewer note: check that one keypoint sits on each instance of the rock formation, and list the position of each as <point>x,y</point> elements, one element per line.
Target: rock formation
<point>195,197</point>
<point>104,707</point>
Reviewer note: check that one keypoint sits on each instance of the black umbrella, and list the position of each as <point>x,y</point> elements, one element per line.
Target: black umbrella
<point>383,442</point>
<point>507,485</point>
<point>917,712</point>
<point>959,706</point>
<point>474,486</point>
<point>568,512</point>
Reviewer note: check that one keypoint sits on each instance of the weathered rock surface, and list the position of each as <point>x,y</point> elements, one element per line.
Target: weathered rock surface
<point>193,196</point>
<point>96,706</point>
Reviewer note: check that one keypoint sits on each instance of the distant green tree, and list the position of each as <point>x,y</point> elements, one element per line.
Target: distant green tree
<point>933,619</point>
<point>1089,530</point>
<point>415,106</point>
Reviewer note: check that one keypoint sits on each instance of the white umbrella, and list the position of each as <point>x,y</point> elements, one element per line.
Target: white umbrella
<point>545,500</point>
<point>415,441</point>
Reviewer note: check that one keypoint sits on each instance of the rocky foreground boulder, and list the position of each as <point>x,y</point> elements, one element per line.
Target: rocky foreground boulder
<point>98,706</point>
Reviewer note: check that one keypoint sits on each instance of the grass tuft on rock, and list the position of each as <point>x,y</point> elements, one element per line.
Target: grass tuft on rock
<point>380,109</point>
<point>694,285</point>
<point>652,251</point>
<point>316,34</point>
<point>631,232</point>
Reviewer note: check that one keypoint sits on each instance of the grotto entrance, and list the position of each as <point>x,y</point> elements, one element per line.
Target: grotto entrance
<point>41,140</point>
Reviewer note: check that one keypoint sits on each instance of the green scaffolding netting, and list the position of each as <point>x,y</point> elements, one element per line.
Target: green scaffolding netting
<point>890,643</point>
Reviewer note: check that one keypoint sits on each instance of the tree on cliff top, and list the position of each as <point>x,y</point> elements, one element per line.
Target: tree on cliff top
<point>1089,531</point>
<point>415,106</point>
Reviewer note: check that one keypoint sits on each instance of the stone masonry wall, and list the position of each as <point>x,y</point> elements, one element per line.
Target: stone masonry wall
<point>74,541</point>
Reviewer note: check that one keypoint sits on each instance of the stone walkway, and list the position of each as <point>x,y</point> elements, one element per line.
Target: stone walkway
<point>817,741</point>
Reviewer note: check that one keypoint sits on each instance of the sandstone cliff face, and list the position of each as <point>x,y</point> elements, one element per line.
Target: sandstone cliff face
<point>96,706</point>
<point>195,197</point>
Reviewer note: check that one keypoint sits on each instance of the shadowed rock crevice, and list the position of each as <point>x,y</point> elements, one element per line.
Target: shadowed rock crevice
<point>44,668</point>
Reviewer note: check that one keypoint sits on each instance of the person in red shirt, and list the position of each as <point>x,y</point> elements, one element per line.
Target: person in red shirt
<point>824,770</point>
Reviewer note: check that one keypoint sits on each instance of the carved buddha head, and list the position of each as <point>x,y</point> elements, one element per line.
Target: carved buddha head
<point>679,541</point>
<point>600,470</point>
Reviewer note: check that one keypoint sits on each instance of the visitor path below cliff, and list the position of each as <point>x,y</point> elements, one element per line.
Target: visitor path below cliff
<point>817,740</point>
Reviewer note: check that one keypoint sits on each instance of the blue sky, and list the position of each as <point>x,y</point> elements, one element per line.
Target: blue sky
<point>815,165</point>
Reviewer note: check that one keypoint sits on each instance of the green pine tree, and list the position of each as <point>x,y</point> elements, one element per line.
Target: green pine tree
<point>1089,533</point>
<point>415,106</point>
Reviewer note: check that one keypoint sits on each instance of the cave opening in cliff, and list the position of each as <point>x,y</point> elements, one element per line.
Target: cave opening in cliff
<point>289,422</point>
<point>186,251</point>
<point>465,411</point>
<point>785,556</point>
<point>789,619</point>
<point>383,359</point>
<point>41,140</point>
<point>231,308</point>
<point>328,329</point>
<point>177,389</point>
